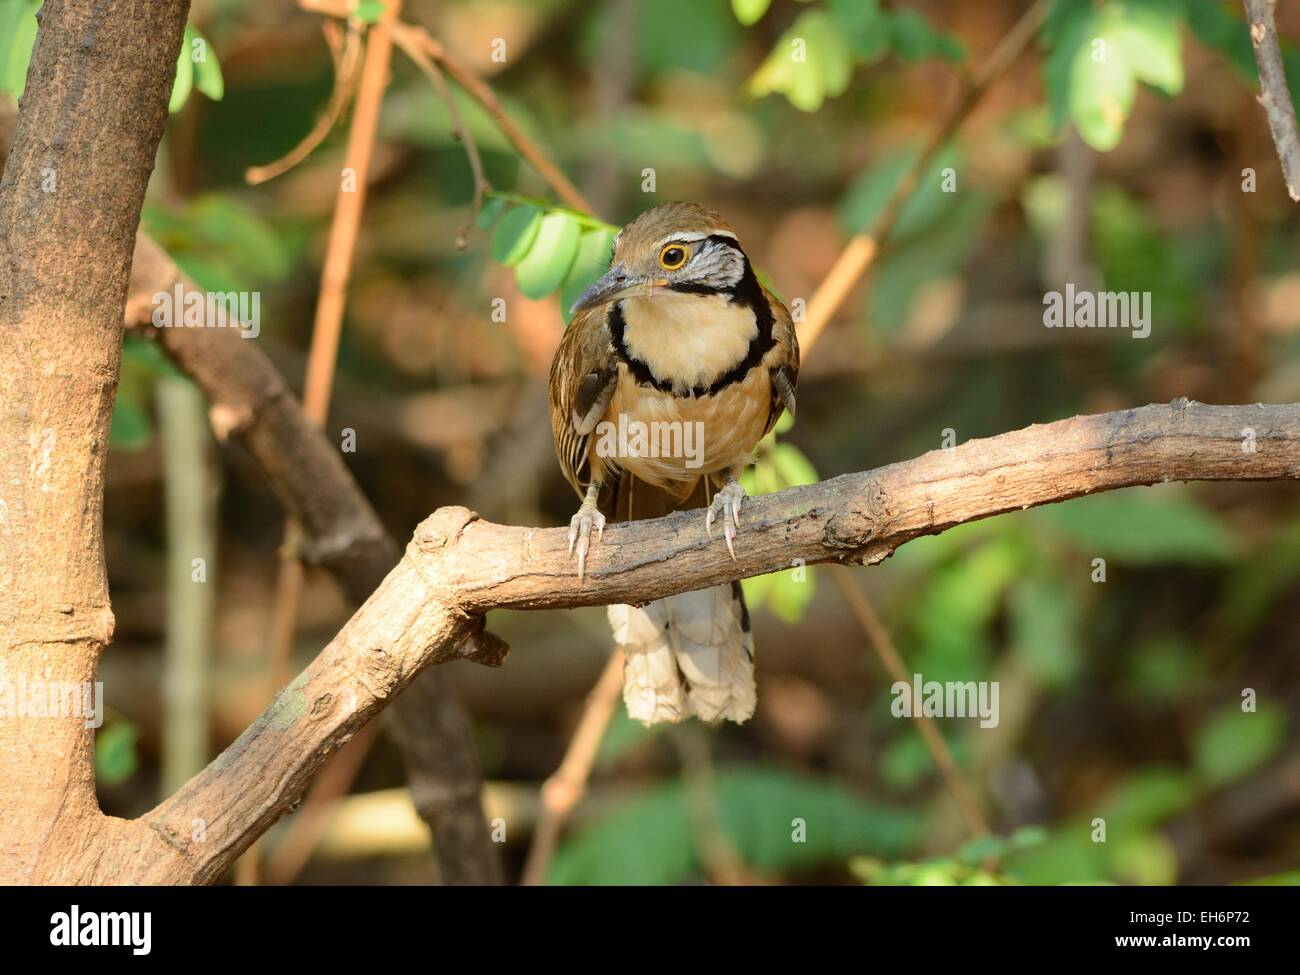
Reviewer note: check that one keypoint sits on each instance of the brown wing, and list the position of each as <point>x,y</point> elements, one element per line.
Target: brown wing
<point>583,375</point>
<point>783,360</point>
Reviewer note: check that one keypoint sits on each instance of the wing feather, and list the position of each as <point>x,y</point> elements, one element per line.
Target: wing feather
<point>783,360</point>
<point>583,374</point>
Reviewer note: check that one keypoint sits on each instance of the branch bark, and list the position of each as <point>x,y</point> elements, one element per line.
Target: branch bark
<point>1274,94</point>
<point>457,567</point>
<point>83,148</point>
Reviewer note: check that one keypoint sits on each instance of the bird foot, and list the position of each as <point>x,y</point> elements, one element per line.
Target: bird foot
<point>726,503</point>
<point>580,526</point>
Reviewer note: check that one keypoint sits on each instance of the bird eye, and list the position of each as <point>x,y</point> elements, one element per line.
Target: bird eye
<point>673,256</point>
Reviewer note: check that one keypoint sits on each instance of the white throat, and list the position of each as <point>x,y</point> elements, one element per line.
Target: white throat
<point>687,339</point>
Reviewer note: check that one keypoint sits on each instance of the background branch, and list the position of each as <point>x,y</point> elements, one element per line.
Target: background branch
<point>249,401</point>
<point>1274,94</point>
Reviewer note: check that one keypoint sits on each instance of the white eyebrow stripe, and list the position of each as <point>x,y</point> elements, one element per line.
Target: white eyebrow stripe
<point>694,237</point>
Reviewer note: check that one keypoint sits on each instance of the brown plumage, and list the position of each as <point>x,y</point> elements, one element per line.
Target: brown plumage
<point>679,342</point>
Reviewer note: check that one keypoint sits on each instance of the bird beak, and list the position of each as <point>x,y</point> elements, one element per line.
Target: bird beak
<point>615,284</point>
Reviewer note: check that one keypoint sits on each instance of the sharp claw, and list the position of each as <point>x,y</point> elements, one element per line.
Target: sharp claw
<point>728,504</point>
<point>580,534</point>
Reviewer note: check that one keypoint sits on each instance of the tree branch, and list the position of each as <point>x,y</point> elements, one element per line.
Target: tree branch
<point>1274,94</point>
<point>83,148</point>
<point>458,567</point>
<point>249,401</point>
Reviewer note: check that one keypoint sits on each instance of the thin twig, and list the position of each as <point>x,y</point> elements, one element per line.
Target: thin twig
<point>483,94</point>
<point>564,789</point>
<point>718,854</point>
<point>481,185</point>
<point>863,248</point>
<point>883,645</point>
<point>411,35</point>
<point>1274,94</point>
<point>346,61</point>
<point>328,326</point>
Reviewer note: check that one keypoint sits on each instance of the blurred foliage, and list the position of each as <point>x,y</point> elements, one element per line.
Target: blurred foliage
<point>650,839</point>
<point>815,58</point>
<point>116,759</point>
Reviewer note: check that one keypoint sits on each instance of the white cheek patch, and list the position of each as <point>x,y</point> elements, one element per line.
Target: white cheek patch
<point>717,265</point>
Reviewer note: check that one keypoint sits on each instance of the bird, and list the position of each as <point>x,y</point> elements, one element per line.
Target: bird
<point>675,363</point>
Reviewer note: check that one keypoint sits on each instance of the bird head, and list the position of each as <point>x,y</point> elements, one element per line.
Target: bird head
<point>671,249</point>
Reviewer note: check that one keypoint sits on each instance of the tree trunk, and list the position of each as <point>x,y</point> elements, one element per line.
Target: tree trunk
<point>84,145</point>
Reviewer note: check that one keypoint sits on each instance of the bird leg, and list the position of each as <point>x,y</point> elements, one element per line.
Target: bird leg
<point>726,503</point>
<point>580,528</point>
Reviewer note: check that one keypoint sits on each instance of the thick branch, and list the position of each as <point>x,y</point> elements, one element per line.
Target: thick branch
<point>458,567</point>
<point>249,401</point>
<point>83,148</point>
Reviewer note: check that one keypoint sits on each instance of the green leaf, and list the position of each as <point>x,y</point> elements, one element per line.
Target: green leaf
<point>1213,25</point>
<point>1045,629</point>
<point>1098,53</point>
<point>811,61</point>
<point>905,761</point>
<point>789,598</point>
<point>515,235</point>
<point>954,611</point>
<point>925,208</point>
<point>369,11</point>
<point>545,266</point>
<point>594,251</point>
<point>1148,37</point>
<point>1145,859</point>
<point>115,754</point>
<point>1165,668</point>
<point>1101,97</point>
<point>792,467</point>
<point>17,36</point>
<point>1233,742</point>
<point>184,75</point>
<point>913,39</point>
<point>492,208</point>
<point>750,11</point>
<point>650,840</point>
<point>865,26</point>
<point>225,225</point>
<point>1148,798</point>
<point>672,36</point>
<point>207,72</point>
<point>1136,255</point>
<point>1128,526</point>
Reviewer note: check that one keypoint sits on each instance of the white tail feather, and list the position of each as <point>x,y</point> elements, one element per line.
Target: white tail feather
<point>689,654</point>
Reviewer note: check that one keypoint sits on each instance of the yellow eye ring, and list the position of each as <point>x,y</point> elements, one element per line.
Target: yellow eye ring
<point>674,256</point>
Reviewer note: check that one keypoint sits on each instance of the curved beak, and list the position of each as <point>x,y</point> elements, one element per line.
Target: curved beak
<point>616,283</point>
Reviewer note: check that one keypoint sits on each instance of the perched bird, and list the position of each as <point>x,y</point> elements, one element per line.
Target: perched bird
<point>674,365</point>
